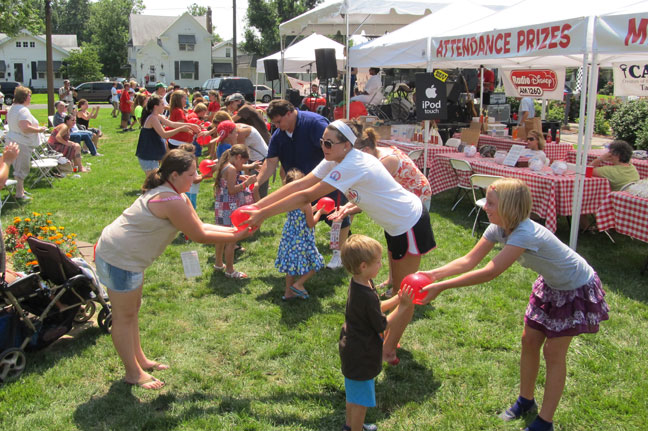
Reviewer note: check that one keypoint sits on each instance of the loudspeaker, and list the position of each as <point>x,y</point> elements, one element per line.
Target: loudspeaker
<point>325,62</point>
<point>293,96</point>
<point>271,67</point>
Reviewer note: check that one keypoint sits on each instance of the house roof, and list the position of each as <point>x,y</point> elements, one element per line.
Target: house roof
<point>146,27</point>
<point>63,42</point>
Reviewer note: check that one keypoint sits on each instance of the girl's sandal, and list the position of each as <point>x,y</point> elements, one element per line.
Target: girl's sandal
<point>219,268</point>
<point>236,275</point>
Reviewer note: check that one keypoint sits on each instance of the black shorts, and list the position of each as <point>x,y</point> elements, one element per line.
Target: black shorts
<point>340,200</point>
<point>418,240</point>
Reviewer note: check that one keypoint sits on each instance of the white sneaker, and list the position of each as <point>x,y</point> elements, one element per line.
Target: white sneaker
<point>336,260</point>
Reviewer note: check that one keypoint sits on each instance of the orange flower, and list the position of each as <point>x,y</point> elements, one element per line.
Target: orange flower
<point>31,263</point>
<point>58,242</point>
<point>68,254</point>
<point>52,228</point>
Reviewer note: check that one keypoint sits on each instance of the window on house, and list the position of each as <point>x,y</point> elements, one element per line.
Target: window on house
<point>25,44</point>
<point>18,45</point>
<point>228,52</point>
<point>151,69</point>
<point>41,75</point>
<point>32,44</point>
<point>2,74</point>
<point>186,69</point>
<point>57,75</point>
<point>186,42</point>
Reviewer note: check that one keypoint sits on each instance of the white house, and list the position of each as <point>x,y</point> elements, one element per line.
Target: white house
<point>23,57</point>
<point>170,48</point>
<point>221,56</point>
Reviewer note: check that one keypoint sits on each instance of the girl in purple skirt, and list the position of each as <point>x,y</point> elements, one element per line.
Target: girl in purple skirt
<point>567,298</point>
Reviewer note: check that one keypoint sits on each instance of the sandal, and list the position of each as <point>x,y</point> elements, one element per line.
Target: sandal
<point>157,367</point>
<point>219,268</point>
<point>146,383</point>
<point>236,275</point>
<point>300,293</point>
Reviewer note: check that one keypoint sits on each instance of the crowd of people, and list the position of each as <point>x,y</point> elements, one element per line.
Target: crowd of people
<point>339,160</point>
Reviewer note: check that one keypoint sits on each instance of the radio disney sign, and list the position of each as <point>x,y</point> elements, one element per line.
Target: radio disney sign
<point>431,97</point>
<point>630,79</point>
<point>534,83</point>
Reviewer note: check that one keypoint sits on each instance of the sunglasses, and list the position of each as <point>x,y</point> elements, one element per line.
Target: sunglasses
<point>328,144</point>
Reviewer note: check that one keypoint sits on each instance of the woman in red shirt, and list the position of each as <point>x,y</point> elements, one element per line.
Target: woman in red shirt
<point>176,108</point>
<point>214,104</point>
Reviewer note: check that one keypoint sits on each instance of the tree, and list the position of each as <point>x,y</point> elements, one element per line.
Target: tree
<point>72,17</point>
<point>16,15</point>
<point>83,65</point>
<point>196,10</point>
<point>109,20</point>
<point>265,16</point>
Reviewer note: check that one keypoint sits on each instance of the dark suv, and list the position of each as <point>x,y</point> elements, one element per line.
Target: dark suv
<point>7,88</point>
<point>98,91</point>
<point>234,84</point>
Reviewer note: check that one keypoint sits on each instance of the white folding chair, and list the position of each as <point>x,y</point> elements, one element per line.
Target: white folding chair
<point>463,171</point>
<point>45,161</point>
<point>627,186</point>
<point>480,182</point>
<point>10,187</point>
<point>453,142</point>
<point>415,154</point>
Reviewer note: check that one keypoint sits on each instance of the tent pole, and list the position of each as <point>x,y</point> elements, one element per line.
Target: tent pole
<point>282,79</point>
<point>426,132</point>
<point>578,182</point>
<point>481,91</point>
<point>347,90</point>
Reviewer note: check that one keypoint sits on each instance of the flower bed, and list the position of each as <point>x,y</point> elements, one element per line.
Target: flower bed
<point>19,256</point>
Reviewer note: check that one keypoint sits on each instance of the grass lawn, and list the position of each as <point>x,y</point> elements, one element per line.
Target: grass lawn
<point>41,99</point>
<point>243,360</point>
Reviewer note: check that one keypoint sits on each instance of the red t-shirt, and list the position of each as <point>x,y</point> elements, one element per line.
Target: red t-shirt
<point>178,115</point>
<point>213,107</point>
<point>124,102</point>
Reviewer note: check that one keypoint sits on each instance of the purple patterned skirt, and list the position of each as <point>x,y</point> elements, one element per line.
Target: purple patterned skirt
<point>566,313</point>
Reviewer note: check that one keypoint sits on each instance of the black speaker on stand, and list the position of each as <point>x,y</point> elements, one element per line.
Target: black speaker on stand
<point>271,67</point>
<point>326,69</point>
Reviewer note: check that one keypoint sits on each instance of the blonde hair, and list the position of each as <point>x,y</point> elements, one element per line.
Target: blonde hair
<point>515,201</point>
<point>221,116</point>
<point>175,100</point>
<point>293,175</point>
<point>541,140</point>
<point>358,249</point>
<point>200,107</point>
<point>236,150</point>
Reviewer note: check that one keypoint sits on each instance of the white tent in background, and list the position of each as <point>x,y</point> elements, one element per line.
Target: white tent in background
<point>408,46</point>
<point>622,35</point>
<point>299,58</point>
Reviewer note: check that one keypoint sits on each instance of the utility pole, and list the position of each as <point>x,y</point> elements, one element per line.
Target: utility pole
<point>50,64</point>
<point>234,38</point>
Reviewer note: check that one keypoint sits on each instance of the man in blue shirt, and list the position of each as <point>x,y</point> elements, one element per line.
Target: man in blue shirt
<point>296,144</point>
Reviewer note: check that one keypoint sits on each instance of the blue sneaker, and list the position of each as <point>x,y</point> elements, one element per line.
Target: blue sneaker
<point>509,415</point>
<point>365,427</point>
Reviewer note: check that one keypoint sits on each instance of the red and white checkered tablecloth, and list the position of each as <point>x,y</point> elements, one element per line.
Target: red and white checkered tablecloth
<point>552,194</point>
<point>626,213</point>
<point>640,164</point>
<point>406,147</point>
<point>553,151</point>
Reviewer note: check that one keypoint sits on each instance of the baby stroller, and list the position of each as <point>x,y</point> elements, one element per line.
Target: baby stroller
<point>38,309</point>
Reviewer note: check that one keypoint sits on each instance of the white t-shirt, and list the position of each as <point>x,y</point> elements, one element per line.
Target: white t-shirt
<point>114,95</point>
<point>373,86</point>
<point>561,267</point>
<point>526,105</point>
<point>66,95</point>
<point>257,147</point>
<point>16,114</point>
<point>366,183</point>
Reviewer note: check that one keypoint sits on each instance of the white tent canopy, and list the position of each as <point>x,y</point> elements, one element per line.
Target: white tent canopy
<point>408,46</point>
<point>300,57</point>
<point>622,35</point>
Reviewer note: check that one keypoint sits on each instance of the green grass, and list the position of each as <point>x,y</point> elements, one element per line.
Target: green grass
<point>41,99</point>
<point>244,360</point>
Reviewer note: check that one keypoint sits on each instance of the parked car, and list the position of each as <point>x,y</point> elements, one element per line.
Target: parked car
<point>7,88</point>
<point>98,91</point>
<point>210,84</point>
<point>264,93</point>
<point>234,84</point>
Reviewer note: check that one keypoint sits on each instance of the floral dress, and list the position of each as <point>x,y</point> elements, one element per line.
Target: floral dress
<point>410,177</point>
<point>225,203</point>
<point>297,252</point>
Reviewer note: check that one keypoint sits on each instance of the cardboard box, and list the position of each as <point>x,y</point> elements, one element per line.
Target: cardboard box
<point>368,120</point>
<point>384,132</point>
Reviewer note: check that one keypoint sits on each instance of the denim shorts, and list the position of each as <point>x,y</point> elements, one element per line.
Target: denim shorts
<point>148,165</point>
<point>360,392</point>
<point>117,279</point>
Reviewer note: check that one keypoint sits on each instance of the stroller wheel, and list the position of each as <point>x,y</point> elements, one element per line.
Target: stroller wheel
<point>105,319</point>
<point>86,311</point>
<point>12,364</point>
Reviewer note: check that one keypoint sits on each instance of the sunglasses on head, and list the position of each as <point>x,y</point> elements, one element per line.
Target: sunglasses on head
<point>328,144</point>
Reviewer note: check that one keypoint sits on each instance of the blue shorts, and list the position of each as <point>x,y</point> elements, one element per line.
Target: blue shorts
<point>117,279</point>
<point>148,165</point>
<point>360,392</point>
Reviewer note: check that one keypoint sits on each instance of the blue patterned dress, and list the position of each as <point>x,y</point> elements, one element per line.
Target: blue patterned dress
<point>297,252</point>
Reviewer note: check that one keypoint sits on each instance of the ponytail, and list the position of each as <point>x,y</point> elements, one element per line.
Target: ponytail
<point>179,161</point>
<point>236,150</point>
<point>153,101</point>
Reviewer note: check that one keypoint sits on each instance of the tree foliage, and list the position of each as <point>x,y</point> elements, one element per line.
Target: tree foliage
<point>83,65</point>
<point>72,17</point>
<point>196,10</point>
<point>16,15</point>
<point>264,16</point>
<point>109,20</point>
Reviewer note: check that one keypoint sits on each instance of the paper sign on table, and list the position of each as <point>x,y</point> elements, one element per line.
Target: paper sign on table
<point>513,155</point>
<point>191,264</point>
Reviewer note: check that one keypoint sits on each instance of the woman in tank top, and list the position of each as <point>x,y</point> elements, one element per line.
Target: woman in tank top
<point>135,239</point>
